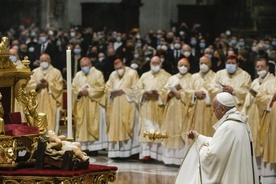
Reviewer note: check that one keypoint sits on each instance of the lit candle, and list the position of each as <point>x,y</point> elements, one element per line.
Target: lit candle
<point>69,94</point>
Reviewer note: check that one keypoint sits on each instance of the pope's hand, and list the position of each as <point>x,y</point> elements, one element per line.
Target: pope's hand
<point>192,134</point>
<point>84,92</point>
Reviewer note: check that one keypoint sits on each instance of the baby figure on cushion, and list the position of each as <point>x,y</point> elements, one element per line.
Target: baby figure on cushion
<point>57,145</point>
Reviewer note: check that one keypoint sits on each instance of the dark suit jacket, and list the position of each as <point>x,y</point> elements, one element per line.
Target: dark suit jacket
<point>52,50</point>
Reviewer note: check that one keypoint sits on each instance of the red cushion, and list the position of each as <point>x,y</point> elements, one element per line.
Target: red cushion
<point>15,118</point>
<point>20,129</point>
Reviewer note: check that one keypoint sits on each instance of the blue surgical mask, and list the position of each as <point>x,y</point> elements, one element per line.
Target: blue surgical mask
<point>233,42</point>
<point>13,59</point>
<point>136,56</point>
<point>42,39</point>
<point>138,45</point>
<point>193,42</point>
<point>85,70</point>
<point>273,43</point>
<point>32,34</point>
<point>231,68</point>
<point>77,51</point>
<point>118,39</point>
<point>241,44</point>
<point>267,46</point>
<point>202,45</point>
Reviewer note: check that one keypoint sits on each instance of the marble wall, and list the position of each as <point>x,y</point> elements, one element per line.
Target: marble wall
<point>153,13</point>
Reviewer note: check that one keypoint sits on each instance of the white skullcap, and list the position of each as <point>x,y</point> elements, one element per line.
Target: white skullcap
<point>226,99</point>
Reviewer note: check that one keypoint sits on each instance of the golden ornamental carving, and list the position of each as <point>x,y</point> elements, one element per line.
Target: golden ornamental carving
<point>26,62</point>
<point>2,125</point>
<point>7,154</point>
<point>29,104</point>
<point>5,62</point>
<point>91,178</point>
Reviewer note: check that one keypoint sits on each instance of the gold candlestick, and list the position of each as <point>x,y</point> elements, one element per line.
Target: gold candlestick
<point>26,62</point>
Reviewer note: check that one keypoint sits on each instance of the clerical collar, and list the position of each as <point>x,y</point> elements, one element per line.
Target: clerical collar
<point>261,79</point>
<point>205,74</point>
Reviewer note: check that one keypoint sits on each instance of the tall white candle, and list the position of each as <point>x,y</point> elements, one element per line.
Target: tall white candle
<point>69,94</point>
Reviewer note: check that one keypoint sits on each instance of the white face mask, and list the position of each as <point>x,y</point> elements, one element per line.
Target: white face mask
<point>31,49</point>
<point>203,68</point>
<point>230,52</point>
<point>120,72</point>
<point>134,66</point>
<point>44,65</point>
<point>155,69</point>
<point>187,54</point>
<point>183,69</point>
<point>262,73</point>
<point>164,47</point>
<point>177,46</point>
<point>254,48</point>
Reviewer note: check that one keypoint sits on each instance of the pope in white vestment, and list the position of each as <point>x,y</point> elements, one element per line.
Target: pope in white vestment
<point>225,158</point>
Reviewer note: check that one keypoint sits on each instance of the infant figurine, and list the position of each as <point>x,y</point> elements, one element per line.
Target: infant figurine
<point>60,144</point>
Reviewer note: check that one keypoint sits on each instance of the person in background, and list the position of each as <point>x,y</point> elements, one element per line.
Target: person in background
<point>186,51</point>
<point>218,60</point>
<point>48,83</point>
<point>175,117</point>
<point>45,46</point>
<point>151,107</point>
<point>198,97</point>
<point>122,119</point>
<point>250,107</point>
<point>272,61</point>
<point>76,56</point>
<point>265,101</point>
<point>233,80</point>
<point>245,63</point>
<point>14,57</point>
<point>89,107</point>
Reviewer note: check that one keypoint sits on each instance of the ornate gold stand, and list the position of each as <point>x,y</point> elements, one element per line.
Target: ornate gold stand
<point>11,145</point>
<point>88,178</point>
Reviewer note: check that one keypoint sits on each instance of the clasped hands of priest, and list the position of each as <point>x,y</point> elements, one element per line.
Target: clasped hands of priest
<point>153,94</point>
<point>228,89</point>
<point>42,84</point>
<point>115,93</point>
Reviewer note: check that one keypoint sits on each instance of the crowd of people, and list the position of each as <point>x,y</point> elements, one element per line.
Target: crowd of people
<point>127,83</point>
